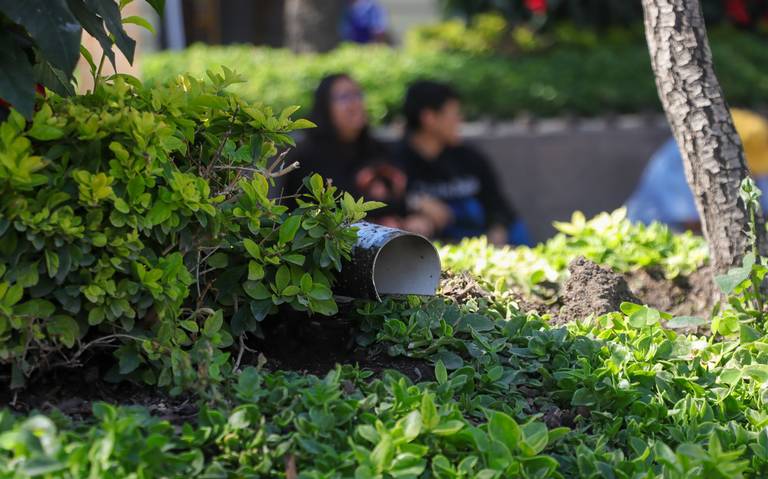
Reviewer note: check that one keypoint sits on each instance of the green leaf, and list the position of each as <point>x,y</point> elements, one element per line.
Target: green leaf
<point>449,359</point>
<point>110,13</point>
<point>296,259</point>
<point>441,373</point>
<point>51,263</point>
<point>128,358</point>
<point>94,25</point>
<point>429,414</point>
<point>644,317</point>
<point>411,425</point>
<point>320,292</point>
<point>583,397</point>
<point>748,334</point>
<point>282,277</point>
<point>255,271</point>
<point>504,429</point>
<point>681,322</point>
<point>65,328</point>
<point>382,454</point>
<point>17,85</point>
<point>140,22</point>
<point>289,228</point>
<point>758,372</point>
<point>220,260</point>
<point>252,248</point>
<point>158,5</point>
<point>735,276</point>
<point>256,290</point>
<point>53,78</point>
<point>448,428</point>
<point>326,307</point>
<point>306,283</point>
<point>213,323</point>
<point>52,26</point>
<point>478,322</point>
<point>535,438</point>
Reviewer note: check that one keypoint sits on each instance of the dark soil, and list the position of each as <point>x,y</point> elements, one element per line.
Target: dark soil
<point>296,343</point>
<point>73,392</point>
<point>682,296</point>
<point>592,289</point>
<point>314,346</point>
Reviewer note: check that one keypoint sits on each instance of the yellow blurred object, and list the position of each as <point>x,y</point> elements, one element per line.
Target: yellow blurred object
<point>753,131</point>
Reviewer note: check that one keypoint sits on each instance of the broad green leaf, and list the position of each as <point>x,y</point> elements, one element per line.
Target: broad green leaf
<point>110,13</point>
<point>289,228</point>
<point>644,317</point>
<point>735,276</point>
<point>213,323</point>
<point>412,424</point>
<point>17,85</point>
<point>56,31</point>
<point>65,328</point>
<point>252,248</point>
<point>256,290</point>
<point>449,360</point>
<point>504,429</point>
<point>535,438</point>
<point>282,277</point>
<point>441,373</point>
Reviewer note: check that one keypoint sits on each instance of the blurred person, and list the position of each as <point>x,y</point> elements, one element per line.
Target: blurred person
<point>342,150</point>
<point>364,21</point>
<point>449,182</point>
<point>663,193</point>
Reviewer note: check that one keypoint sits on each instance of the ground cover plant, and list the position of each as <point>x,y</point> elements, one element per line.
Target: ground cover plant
<point>580,74</point>
<point>146,276</point>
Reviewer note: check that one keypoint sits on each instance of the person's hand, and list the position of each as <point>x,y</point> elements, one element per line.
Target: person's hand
<point>437,211</point>
<point>497,235</point>
<point>419,224</point>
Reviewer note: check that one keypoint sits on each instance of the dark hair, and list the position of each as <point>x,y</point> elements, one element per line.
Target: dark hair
<point>321,110</point>
<point>325,133</point>
<point>425,95</point>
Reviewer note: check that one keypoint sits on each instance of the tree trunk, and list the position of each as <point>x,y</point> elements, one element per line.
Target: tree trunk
<point>312,25</point>
<point>701,123</point>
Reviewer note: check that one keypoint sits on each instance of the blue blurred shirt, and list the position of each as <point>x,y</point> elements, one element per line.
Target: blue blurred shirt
<point>663,193</point>
<point>363,20</point>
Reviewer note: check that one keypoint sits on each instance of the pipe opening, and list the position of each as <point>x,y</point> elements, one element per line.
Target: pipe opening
<point>407,264</point>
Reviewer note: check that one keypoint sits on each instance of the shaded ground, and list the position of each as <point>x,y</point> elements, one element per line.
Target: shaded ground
<point>316,345</point>
<point>73,391</point>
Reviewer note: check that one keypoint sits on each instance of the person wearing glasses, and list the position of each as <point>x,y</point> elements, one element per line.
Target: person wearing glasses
<point>342,150</point>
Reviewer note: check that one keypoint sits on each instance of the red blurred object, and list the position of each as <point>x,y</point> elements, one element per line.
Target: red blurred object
<point>737,11</point>
<point>536,6</point>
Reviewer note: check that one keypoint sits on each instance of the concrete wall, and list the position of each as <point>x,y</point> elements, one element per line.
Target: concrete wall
<point>551,169</point>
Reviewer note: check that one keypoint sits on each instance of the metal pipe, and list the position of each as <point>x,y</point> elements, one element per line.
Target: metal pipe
<point>389,261</point>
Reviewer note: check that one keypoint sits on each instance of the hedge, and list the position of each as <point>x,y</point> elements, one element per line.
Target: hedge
<point>563,80</point>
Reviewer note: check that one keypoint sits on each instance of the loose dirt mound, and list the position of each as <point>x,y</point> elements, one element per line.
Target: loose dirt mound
<point>682,296</point>
<point>592,289</point>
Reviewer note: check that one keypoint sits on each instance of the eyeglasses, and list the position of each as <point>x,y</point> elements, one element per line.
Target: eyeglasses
<point>348,97</point>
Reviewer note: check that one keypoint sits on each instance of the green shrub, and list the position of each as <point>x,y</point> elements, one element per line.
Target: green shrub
<point>608,239</point>
<point>140,217</point>
<point>572,78</point>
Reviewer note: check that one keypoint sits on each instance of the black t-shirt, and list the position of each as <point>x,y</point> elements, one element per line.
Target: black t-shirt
<point>342,164</point>
<point>462,178</point>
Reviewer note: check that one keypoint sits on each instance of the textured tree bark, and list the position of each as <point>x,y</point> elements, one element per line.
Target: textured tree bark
<point>312,25</point>
<point>702,125</point>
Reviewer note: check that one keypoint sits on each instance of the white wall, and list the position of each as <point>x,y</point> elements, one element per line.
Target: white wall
<point>404,14</point>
